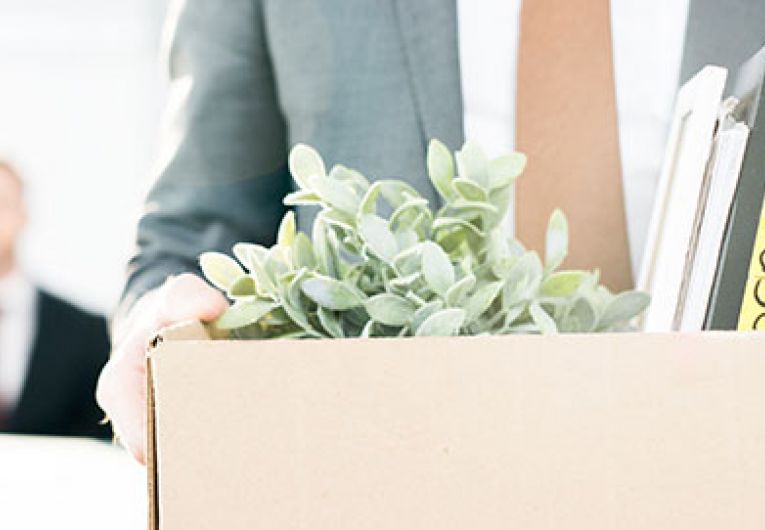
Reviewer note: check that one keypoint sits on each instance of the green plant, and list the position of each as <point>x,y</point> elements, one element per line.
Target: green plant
<point>413,271</point>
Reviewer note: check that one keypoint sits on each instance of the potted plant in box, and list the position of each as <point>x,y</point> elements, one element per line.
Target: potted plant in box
<point>381,262</point>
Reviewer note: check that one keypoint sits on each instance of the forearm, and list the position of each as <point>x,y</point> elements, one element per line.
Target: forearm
<point>224,148</point>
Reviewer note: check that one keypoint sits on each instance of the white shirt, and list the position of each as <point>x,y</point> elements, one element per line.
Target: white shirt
<point>648,38</point>
<point>18,322</point>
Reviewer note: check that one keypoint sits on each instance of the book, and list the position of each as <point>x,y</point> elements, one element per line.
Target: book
<point>752,315</point>
<point>735,260</point>
<point>681,188</point>
<point>712,218</point>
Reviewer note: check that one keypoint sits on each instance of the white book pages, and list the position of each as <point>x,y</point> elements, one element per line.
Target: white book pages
<point>680,186</point>
<point>723,178</point>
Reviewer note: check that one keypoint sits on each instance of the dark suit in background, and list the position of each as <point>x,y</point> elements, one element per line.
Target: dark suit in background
<point>57,396</point>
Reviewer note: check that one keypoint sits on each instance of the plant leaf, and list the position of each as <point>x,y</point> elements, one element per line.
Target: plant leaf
<point>245,286</point>
<point>442,323</point>
<point>276,264</point>
<point>437,269</point>
<point>441,169</point>
<point>403,215</point>
<point>368,204</point>
<point>453,242</point>
<point>378,237</point>
<point>333,216</point>
<point>524,276</point>
<point>302,252</point>
<point>480,301</point>
<point>469,190</point>
<point>544,322</point>
<point>406,238</point>
<point>397,192</point>
<point>463,206</point>
<point>290,287</point>
<point>500,199</point>
<point>556,243</point>
<point>581,317</point>
<point>304,163</point>
<point>302,198</point>
<point>472,164</point>
<point>351,176</point>
<point>220,270</point>
<point>244,313</point>
<point>527,327</point>
<point>330,322</point>
<point>409,261</point>
<point>291,304</point>
<point>424,312</point>
<point>322,248</point>
<point>459,290</point>
<point>330,293</point>
<point>622,308</point>
<point>405,282</point>
<point>250,255</point>
<point>504,170</point>
<point>253,257</point>
<point>367,330</point>
<point>563,283</point>
<point>287,230</point>
<point>335,193</point>
<point>390,309</point>
<point>513,314</point>
<point>451,222</point>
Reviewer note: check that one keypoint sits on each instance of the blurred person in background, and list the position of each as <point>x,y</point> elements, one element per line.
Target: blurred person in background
<point>50,351</point>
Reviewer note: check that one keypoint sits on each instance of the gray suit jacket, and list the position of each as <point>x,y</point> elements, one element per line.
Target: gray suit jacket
<point>366,82</point>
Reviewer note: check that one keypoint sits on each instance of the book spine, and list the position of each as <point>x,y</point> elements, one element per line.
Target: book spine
<point>741,231</point>
<point>752,314</point>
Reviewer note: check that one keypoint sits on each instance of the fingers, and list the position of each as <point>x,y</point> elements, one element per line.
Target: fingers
<point>121,390</point>
<point>181,298</point>
<point>188,297</point>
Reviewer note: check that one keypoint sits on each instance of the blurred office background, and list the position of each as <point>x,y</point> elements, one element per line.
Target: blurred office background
<point>80,96</point>
<point>81,92</point>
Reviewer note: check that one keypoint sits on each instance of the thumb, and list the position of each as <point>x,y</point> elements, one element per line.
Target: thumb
<point>188,297</point>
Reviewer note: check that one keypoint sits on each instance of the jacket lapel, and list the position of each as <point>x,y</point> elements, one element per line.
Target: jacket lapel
<point>430,41</point>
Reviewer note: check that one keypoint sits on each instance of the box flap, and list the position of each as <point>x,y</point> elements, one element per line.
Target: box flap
<point>191,330</point>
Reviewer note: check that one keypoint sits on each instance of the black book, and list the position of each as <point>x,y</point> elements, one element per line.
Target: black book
<point>735,255</point>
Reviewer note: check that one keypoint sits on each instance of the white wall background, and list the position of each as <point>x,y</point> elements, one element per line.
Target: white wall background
<point>80,97</point>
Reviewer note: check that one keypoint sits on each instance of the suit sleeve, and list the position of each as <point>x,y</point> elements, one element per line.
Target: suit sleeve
<point>223,154</point>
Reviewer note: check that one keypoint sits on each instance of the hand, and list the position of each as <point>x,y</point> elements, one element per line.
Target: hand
<point>121,390</point>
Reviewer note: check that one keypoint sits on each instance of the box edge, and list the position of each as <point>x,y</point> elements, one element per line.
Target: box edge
<point>188,330</point>
<point>151,456</point>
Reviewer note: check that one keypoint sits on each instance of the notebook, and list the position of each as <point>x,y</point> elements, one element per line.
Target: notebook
<point>681,190</point>
<point>712,217</point>
<point>752,315</point>
<point>735,258</point>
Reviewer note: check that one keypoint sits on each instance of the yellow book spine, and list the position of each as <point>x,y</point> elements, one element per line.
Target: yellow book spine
<point>752,315</point>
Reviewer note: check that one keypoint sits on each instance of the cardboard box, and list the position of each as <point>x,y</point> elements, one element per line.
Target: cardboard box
<point>583,432</point>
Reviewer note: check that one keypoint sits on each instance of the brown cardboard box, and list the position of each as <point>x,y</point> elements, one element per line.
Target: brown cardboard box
<point>583,432</point>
